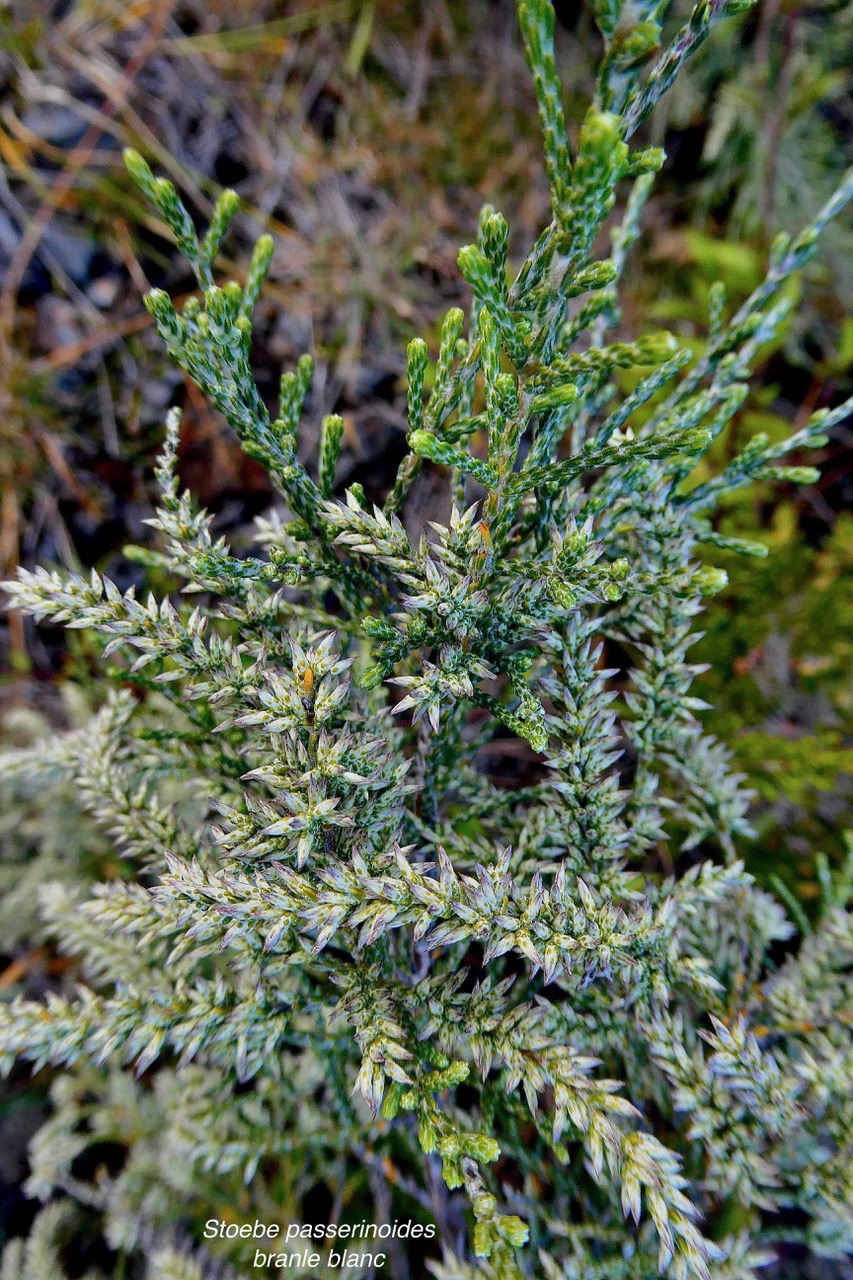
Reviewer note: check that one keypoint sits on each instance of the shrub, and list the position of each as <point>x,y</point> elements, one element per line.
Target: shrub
<point>357,962</point>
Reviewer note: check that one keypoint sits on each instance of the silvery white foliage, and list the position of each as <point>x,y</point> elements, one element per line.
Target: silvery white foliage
<point>37,791</point>
<point>338,952</point>
<point>39,1255</point>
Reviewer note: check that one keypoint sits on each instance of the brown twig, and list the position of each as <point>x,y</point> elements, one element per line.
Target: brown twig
<point>10,518</point>
<point>20,968</point>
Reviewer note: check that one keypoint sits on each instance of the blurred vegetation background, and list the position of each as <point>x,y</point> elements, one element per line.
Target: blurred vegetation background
<point>365,134</point>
